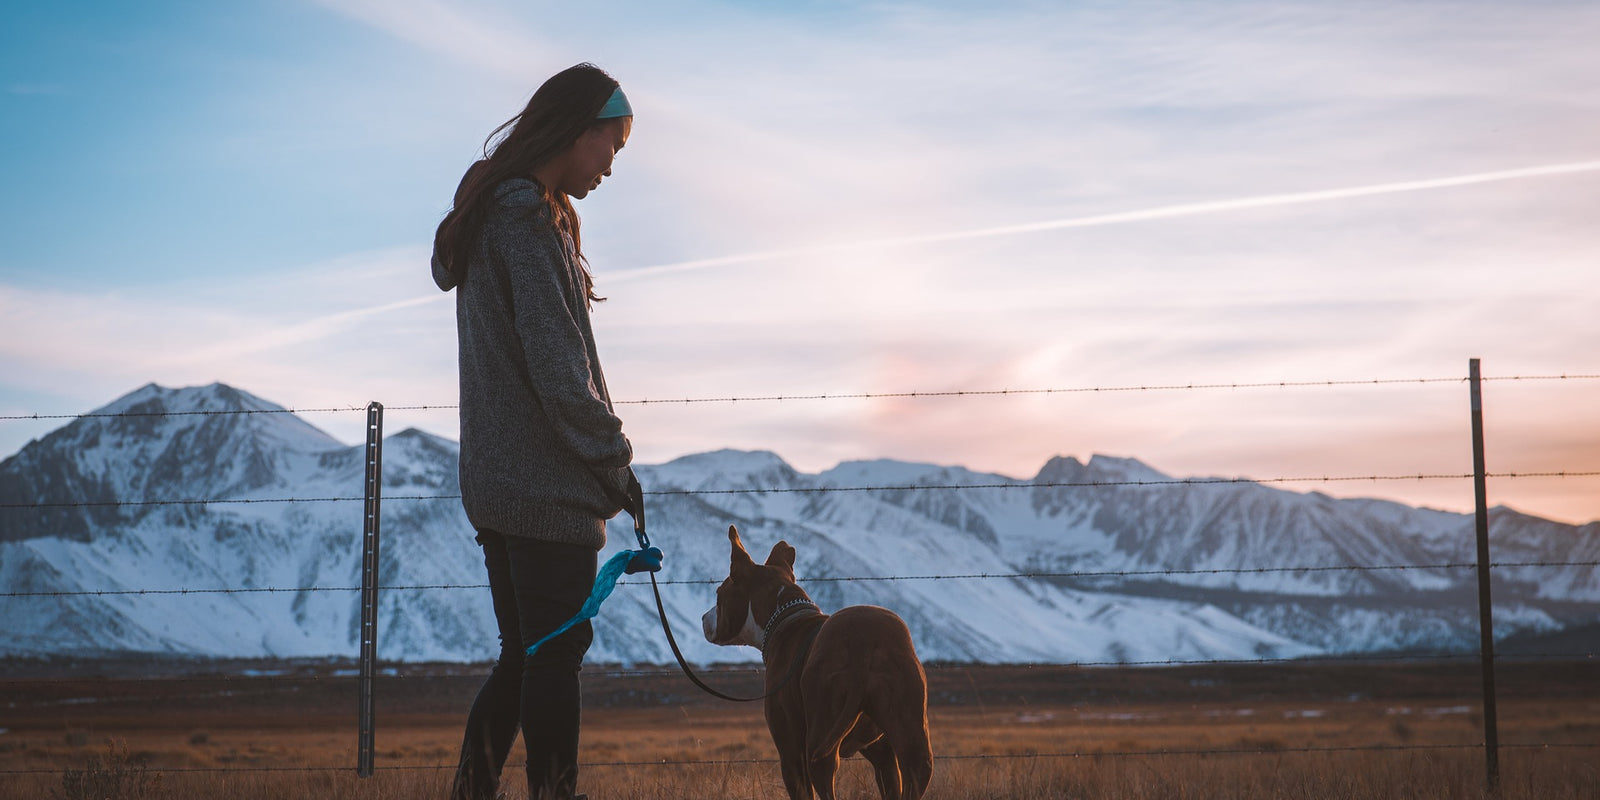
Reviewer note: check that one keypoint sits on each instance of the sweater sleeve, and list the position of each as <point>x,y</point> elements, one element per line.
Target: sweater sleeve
<point>555,341</point>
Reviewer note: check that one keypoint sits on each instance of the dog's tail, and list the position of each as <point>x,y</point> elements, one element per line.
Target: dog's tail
<point>843,714</point>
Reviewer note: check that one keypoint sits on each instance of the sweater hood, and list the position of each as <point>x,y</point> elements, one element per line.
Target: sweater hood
<point>511,193</point>
<point>441,276</point>
<point>519,193</point>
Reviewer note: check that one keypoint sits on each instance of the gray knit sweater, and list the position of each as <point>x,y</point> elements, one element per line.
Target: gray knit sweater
<point>538,434</point>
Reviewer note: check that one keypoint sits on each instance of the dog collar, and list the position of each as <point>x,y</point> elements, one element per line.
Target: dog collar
<point>783,613</point>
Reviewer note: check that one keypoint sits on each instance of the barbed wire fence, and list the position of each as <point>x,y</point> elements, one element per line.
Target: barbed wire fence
<point>368,590</point>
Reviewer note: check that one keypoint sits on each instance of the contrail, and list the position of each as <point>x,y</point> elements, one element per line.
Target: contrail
<point>299,333</point>
<point>1160,212</point>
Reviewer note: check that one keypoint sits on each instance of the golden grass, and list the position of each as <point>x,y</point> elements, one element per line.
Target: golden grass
<point>1420,775</point>
<point>1413,740</point>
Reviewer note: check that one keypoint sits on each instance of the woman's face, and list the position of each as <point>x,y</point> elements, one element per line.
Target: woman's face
<point>590,158</point>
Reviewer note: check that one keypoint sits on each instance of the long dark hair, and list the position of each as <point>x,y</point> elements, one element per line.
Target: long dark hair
<point>558,113</point>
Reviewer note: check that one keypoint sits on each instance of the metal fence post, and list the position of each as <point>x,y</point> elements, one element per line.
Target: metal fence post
<point>1491,733</point>
<point>369,586</point>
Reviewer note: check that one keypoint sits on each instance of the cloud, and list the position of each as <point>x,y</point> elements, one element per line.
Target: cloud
<point>496,44</point>
<point>335,334</point>
<point>323,330</point>
<point>1119,218</point>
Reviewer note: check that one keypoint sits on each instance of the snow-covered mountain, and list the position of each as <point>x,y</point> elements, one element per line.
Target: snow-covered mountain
<point>105,526</point>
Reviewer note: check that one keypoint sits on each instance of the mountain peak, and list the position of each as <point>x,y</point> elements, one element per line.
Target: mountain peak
<point>155,399</point>
<point>730,460</point>
<point>155,442</point>
<point>216,412</point>
<point>729,466</point>
<point>1123,469</point>
<point>1061,469</point>
<point>887,471</point>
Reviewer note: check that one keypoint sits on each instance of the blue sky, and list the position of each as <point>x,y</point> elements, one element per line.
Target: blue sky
<point>841,198</point>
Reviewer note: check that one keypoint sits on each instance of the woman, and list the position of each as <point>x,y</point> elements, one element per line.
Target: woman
<point>544,462</point>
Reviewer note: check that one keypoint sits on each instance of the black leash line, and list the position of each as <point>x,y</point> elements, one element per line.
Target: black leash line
<point>633,501</point>
<point>666,627</point>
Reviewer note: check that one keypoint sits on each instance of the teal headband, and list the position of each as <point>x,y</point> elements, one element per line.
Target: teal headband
<point>615,107</point>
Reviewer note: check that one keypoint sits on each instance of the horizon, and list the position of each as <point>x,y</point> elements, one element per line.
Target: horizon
<point>953,198</point>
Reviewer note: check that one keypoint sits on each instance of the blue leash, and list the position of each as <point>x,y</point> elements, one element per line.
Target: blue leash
<point>645,559</point>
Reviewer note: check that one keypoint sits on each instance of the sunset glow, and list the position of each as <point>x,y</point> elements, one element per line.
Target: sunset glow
<point>826,200</point>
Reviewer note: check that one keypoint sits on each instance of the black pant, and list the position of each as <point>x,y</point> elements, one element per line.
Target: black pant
<point>536,587</point>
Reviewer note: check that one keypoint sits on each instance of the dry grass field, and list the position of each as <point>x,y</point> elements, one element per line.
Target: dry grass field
<point>1331,732</point>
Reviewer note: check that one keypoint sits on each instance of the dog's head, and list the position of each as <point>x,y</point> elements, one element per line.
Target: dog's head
<point>750,594</point>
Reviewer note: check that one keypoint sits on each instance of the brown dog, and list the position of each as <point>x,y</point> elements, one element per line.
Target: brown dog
<point>859,685</point>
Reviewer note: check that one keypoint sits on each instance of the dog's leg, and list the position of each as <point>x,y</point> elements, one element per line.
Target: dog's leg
<point>796,778</point>
<point>789,736</point>
<point>914,756</point>
<point>829,719</point>
<point>881,755</point>
<point>904,720</point>
<point>916,770</point>
<point>823,769</point>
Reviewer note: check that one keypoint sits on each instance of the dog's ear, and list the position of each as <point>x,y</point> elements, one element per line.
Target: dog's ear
<point>741,557</point>
<point>782,555</point>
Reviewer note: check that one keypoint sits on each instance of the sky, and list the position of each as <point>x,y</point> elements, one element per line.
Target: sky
<point>826,198</point>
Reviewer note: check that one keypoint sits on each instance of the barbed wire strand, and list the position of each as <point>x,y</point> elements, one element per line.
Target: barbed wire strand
<point>839,579</point>
<point>473,671</point>
<point>914,487</point>
<point>1085,390</point>
<point>846,396</point>
<point>220,412</point>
